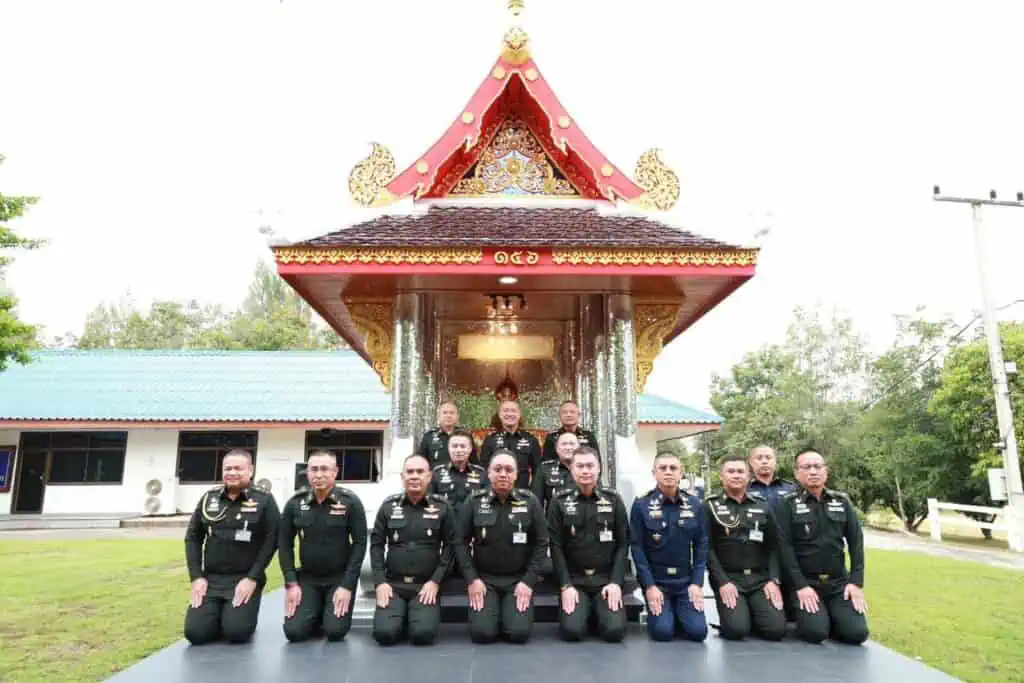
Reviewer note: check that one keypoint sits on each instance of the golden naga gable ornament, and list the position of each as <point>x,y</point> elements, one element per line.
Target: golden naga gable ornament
<point>369,178</point>
<point>660,183</point>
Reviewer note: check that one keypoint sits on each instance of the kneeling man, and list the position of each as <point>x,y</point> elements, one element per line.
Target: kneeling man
<point>743,561</point>
<point>410,552</point>
<point>230,540</point>
<point>330,522</point>
<point>589,546</point>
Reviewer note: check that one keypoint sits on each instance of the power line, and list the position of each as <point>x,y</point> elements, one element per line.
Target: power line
<point>888,390</point>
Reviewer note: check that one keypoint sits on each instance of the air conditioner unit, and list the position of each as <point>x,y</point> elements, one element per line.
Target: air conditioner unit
<point>159,497</point>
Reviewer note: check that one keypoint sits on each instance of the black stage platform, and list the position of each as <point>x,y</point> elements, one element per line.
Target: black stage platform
<point>454,659</point>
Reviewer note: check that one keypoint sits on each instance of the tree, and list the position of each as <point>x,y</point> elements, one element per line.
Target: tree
<point>906,447</point>
<point>966,402</point>
<point>16,336</point>
<point>272,317</point>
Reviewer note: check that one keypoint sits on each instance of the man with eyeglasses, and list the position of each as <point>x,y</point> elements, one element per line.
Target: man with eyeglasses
<point>230,540</point>
<point>589,534</point>
<point>330,522</point>
<point>813,523</point>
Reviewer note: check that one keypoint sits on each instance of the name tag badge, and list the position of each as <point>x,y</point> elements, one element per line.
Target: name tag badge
<point>243,535</point>
<point>605,536</point>
<point>605,508</point>
<point>685,514</point>
<point>519,537</point>
<point>756,535</point>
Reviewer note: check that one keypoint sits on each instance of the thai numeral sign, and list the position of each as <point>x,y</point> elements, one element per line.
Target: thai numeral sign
<point>516,258</point>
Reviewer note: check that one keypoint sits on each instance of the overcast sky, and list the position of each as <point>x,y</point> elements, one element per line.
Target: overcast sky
<point>156,132</point>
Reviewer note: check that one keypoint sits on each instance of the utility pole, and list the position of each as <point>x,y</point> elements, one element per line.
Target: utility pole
<point>1004,408</point>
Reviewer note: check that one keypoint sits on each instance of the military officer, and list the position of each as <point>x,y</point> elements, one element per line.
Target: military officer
<point>814,521</point>
<point>230,540</point>
<point>569,416</point>
<point>669,542</point>
<point>509,535</point>
<point>410,553</point>
<point>743,559</point>
<point>555,476</point>
<point>763,464</point>
<point>589,548</point>
<point>434,442</point>
<point>512,437</point>
<point>330,522</point>
<point>454,481</point>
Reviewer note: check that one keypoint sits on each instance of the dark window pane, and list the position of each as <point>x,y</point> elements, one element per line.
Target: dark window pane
<point>317,438</point>
<point>197,467</point>
<point>68,467</point>
<point>105,466</point>
<point>108,440</point>
<point>373,439</point>
<point>246,440</point>
<point>70,440</point>
<point>356,464</point>
<point>39,440</point>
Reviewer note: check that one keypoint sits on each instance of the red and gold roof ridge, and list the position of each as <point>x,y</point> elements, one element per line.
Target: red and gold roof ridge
<point>514,102</point>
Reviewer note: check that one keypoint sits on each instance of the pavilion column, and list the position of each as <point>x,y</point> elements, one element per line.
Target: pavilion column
<point>588,365</point>
<point>410,383</point>
<point>625,468</point>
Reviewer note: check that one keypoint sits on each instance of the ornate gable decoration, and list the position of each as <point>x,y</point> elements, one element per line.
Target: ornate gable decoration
<point>550,156</point>
<point>513,164</point>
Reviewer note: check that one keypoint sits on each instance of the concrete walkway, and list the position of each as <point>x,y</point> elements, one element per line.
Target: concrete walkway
<point>884,540</point>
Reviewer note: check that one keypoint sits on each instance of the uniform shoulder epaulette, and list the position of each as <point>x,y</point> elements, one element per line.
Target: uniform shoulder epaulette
<point>434,498</point>
<point>752,494</point>
<point>526,493</point>
<point>791,495</point>
<point>562,493</point>
<point>344,491</point>
<point>718,496</point>
<point>842,495</point>
<point>611,493</point>
<point>219,488</point>
<point>439,467</point>
<point>393,497</point>
<point>474,466</point>
<point>300,492</point>
<point>480,493</point>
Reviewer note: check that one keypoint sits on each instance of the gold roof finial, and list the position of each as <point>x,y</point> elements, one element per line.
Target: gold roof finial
<point>516,6</point>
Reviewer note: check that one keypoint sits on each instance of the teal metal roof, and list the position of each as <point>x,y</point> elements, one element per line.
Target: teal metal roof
<point>220,386</point>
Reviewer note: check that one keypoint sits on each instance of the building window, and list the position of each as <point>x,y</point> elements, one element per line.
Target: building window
<point>80,457</point>
<point>358,452</point>
<point>201,454</point>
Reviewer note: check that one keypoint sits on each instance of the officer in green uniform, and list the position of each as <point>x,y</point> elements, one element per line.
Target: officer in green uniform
<point>434,442</point>
<point>555,476</point>
<point>330,522</point>
<point>589,533</point>
<point>410,553</point>
<point>456,480</point>
<point>507,530</point>
<point>512,437</point>
<point>569,416</point>
<point>743,561</point>
<point>230,540</point>
<point>813,523</point>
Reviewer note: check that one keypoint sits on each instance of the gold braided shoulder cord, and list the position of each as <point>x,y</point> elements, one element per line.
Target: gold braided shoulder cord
<point>220,515</point>
<point>727,527</point>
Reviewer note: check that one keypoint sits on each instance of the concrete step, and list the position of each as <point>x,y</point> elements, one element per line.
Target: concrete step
<point>156,522</point>
<point>35,523</point>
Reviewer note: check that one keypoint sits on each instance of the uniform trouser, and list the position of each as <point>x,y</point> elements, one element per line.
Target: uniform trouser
<point>611,625</point>
<point>315,613</point>
<point>753,613</point>
<point>499,614</point>
<point>678,616</point>
<point>835,618</point>
<point>216,617</point>
<point>405,614</point>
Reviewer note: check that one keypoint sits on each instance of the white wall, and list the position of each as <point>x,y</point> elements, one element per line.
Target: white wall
<point>9,438</point>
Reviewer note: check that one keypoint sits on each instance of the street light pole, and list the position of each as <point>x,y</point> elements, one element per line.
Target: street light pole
<point>1004,408</point>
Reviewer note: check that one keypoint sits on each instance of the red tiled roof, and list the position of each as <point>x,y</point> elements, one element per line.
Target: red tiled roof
<point>511,226</point>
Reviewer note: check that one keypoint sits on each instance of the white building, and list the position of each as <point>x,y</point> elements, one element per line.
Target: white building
<point>144,432</point>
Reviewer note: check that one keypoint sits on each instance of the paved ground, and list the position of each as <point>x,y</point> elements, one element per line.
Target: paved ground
<point>884,540</point>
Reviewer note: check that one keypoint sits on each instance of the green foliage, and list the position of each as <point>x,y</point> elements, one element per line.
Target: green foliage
<point>914,422</point>
<point>16,336</point>
<point>272,317</point>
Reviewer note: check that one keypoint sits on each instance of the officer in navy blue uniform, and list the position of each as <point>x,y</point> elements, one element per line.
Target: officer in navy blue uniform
<point>669,543</point>
<point>434,443</point>
<point>763,464</point>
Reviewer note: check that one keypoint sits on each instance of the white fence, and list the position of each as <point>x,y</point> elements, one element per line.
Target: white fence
<point>935,520</point>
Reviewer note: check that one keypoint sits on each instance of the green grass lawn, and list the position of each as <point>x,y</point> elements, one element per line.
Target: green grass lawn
<point>83,610</point>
